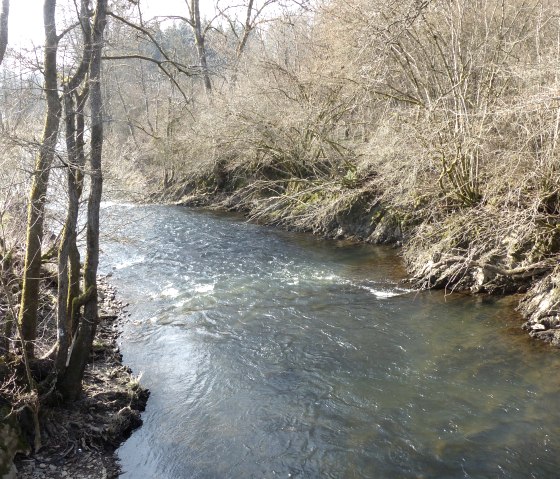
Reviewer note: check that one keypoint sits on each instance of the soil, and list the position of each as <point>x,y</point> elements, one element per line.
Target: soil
<point>80,441</point>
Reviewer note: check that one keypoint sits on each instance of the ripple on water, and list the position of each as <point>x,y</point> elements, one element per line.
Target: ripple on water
<point>275,354</point>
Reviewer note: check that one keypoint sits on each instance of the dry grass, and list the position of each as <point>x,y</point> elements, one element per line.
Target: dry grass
<point>445,112</point>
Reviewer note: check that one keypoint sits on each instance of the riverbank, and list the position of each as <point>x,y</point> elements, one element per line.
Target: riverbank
<point>80,441</point>
<point>472,249</point>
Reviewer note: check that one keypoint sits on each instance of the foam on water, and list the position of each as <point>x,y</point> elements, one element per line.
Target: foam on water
<point>170,292</point>
<point>110,204</point>
<point>385,293</point>
<point>128,262</point>
<point>272,354</point>
<point>204,288</point>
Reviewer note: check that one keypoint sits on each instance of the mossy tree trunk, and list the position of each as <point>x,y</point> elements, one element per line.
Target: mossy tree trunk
<point>68,280</point>
<point>81,345</point>
<point>36,209</point>
<point>66,271</point>
<point>74,253</point>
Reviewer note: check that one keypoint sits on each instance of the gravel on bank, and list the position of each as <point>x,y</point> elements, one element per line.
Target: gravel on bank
<point>79,442</point>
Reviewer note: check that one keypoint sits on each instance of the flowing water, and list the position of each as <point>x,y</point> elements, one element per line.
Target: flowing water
<point>272,354</point>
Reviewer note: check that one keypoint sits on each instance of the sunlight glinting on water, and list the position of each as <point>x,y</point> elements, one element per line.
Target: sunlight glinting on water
<point>272,354</point>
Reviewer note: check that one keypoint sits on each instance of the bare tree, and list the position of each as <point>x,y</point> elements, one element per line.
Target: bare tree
<point>200,40</point>
<point>253,15</point>
<point>37,197</point>
<point>68,255</point>
<point>4,28</point>
<point>70,385</point>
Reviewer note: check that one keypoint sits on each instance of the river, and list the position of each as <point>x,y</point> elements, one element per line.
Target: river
<point>273,354</point>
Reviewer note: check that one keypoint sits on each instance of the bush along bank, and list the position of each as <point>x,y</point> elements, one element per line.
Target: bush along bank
<point>479,249</point>
<point>326,207</point>
<point>434,125</point>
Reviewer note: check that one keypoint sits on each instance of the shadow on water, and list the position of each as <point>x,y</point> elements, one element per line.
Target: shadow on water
<point>273,354</point>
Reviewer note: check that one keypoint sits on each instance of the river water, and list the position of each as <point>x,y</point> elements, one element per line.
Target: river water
<point>272,354</point>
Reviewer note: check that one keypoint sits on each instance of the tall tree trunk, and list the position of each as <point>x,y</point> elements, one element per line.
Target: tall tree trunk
<point>247,29</point>
<point>4,28</point>
<point>200,43</point>
<point>68,241</point>
<point>7,280</point>
<point>81,345</point>
<point>36,209</point>
<point>74,253</point>
<point>76,161</point>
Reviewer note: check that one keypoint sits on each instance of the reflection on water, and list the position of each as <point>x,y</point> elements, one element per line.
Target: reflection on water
<point>271,354</point>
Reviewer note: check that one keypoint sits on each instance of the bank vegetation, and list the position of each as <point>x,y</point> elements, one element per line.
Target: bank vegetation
<point>430,124</point>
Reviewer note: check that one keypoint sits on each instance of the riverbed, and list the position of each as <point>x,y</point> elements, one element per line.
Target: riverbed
<point>275,354</point>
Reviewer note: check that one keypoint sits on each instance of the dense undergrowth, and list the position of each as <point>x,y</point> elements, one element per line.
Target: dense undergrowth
<point>431,124</point>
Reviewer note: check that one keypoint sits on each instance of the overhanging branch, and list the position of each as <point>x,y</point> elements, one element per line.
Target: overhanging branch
<point>160,63</point>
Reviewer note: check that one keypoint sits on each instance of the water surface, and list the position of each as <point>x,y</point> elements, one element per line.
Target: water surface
<point>273,354</point>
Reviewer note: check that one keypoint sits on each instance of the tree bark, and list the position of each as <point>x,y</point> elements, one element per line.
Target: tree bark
<point>81,345</point>
<point>200,43</point>
<point>7,280</point>
<point>4,28</point>
<point>74,253</point>
<point>68,240</point>
<point>76,161</point>
<point>36,209</point>
<point>247,29</point>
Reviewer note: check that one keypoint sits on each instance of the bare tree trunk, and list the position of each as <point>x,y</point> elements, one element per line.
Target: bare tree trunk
<point>81,345</point>
<point>7,281</point>
<point>4,28</point>
<point>75,167</point>
<point>36,209</point>
<point>200,40</point>
<point>68,240</point>
<point>74,253</point>
<point>247,29</point>
<point>129,121</point>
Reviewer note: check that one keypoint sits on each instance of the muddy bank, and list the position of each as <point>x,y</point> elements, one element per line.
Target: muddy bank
<point>80,441</point>
<point>471,250</point>
<point>330,210</point>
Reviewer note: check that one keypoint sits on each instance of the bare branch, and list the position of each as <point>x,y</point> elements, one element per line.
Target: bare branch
<point>161,65</point>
